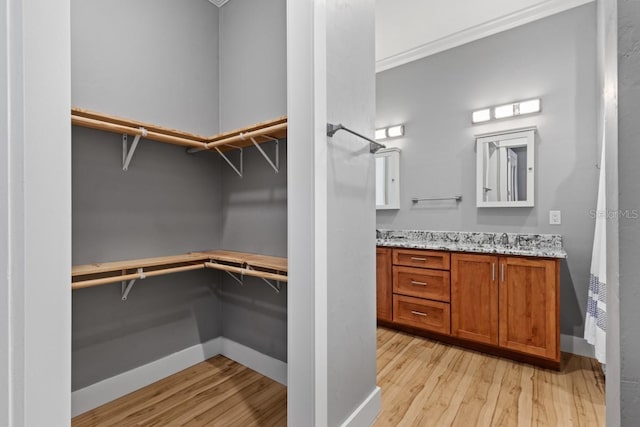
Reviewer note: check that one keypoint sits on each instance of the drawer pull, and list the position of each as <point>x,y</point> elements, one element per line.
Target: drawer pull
<point>419,313</point>
<point>415,258</point>
<point>413,282</point>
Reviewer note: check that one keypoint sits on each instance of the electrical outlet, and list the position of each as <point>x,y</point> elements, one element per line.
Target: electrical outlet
<point>555,217</point>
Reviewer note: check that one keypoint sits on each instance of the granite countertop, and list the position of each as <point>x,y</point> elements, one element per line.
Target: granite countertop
<point>535,245</point>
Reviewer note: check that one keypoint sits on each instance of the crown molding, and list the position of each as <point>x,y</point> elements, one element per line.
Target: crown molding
<point>503,23</point>
<point>219,3</point>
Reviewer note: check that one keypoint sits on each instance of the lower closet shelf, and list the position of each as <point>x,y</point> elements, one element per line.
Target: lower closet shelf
<point>245,264</point>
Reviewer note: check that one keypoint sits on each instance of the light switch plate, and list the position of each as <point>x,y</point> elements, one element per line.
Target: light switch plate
<point>555,217</point>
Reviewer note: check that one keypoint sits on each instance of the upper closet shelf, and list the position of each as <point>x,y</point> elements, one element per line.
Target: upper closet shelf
<point>238,139</point>
<point>268,268</point>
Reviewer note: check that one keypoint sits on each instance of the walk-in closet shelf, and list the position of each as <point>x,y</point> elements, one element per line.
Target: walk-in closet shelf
<point>234,263</point>
<point>242,263</point>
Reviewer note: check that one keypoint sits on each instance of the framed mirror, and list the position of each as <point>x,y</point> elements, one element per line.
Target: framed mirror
<point>505,169</point>
<point>388,178</point>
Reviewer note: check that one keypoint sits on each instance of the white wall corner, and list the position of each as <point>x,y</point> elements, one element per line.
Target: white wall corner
<point>367,412</point>
<point>261,363</point>
<point>576,345</point>
<point>494,26</point>
<point>219,3</point>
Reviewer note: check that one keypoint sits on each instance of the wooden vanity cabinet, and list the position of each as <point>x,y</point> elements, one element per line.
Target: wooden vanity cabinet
<point>508,301</point>
<point>384,286</point>
<point>422,289</point>
<point>508,305</point>
<point>529,306</point>
<point>474,297</point>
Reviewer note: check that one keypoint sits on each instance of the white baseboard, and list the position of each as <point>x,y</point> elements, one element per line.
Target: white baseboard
<point>112,388</point>
<point>576,345</point>
<point>367,412</point>
<point>261,363</point>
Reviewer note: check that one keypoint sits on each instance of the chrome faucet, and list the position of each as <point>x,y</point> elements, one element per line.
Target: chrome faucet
<point>504,239</point>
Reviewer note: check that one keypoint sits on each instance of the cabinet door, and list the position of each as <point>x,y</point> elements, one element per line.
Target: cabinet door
<point>529,301</point>
<point>383,284</point>
<point>474,297</point>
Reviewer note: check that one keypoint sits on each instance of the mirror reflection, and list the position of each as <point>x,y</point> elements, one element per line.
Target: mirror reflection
<point>388,178</point>
<point>505,169</point>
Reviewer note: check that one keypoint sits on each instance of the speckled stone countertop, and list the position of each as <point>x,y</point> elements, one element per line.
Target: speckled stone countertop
<point>536,245</point>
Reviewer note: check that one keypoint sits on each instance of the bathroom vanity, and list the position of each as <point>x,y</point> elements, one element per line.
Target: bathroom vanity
<point>493,292</point>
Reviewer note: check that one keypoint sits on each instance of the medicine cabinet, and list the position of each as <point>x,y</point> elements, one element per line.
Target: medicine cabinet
<point>388,178</point>
<point>505,168</point>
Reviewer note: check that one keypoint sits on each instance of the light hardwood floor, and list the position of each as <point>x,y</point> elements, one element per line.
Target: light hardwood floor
<point>424,383</point>
<point>217,392</point>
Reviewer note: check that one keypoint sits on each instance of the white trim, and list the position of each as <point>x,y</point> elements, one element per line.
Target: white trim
<point>321,216</point>
<point>503,23</point>
<point>112,388</point>
<point>576,345</point>
<point>367,412</point>
<point>261,363</point>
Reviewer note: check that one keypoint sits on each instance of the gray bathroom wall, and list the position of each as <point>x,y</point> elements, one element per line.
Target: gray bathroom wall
<point>153,61</point>
<point>629,199</point>
<point>254,208</point>
<point>553,58</point>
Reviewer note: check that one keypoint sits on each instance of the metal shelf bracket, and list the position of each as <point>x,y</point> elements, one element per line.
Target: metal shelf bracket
<point>275,287</point>
<point>276,166</point>
<point>126,288</point>
<point>239,170</point>
<point>127,152</point>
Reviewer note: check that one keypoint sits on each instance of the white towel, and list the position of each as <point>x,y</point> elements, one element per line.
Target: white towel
<point>595,330</point>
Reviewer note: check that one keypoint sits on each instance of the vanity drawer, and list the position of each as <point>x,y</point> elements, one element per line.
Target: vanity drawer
<point>421,258</point>
<point>422,283</point>
<point>421,313</point>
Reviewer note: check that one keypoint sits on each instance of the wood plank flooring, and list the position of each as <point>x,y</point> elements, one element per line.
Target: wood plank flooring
<point>427,383</point>
<point>217,392</point>
<point>424,383</point>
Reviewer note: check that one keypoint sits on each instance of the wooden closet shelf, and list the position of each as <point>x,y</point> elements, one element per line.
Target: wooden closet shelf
<point>261,132</point>
<point>266,267</point>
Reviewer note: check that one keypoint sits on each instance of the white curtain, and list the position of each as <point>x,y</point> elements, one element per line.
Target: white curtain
<point>595,331</point>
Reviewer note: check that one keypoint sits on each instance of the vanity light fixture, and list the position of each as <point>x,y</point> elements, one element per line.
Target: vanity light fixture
<point>506,111</point>
<point>481,116</point>
<point>394,131</point>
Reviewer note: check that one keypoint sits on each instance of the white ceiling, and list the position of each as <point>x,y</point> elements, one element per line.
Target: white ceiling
<point>407,30</point>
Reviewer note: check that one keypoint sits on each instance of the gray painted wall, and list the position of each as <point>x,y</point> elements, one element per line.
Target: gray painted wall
<point>253,73</point>
<point>351,329</point>
<point>553,58</point>
<point>154,61</point>
<point>254,208</point>
<point>254,219</point>
<point>629,153</point>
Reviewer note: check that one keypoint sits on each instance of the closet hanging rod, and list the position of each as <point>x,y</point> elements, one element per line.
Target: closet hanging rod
<point>138,275</point>
<point>264,132</point>
<point>373,145</point>
<point>247,271</point>
<point>119,128</point>
<point>457,198</point>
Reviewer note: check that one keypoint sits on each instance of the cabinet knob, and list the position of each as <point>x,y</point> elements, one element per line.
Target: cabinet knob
<point>419,313</point>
